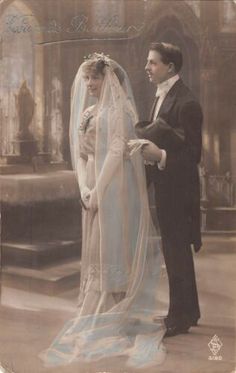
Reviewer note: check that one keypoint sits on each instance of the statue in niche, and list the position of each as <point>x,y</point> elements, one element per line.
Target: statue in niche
<point>25,106</point>
<point>203,173</point>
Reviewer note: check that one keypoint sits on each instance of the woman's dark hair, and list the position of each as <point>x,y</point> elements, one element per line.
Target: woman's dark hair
<point>93,66</point>
<point>119,73</point>
<point>97,67</point>
<point>169,54</point>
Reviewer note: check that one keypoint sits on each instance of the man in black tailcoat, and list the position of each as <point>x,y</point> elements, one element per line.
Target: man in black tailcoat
<point>172,155</point>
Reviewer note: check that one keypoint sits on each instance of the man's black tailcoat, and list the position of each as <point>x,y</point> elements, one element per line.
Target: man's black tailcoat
<point>177,129</point>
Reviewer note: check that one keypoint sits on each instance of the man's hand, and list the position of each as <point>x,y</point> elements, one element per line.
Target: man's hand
<point>151,152</point>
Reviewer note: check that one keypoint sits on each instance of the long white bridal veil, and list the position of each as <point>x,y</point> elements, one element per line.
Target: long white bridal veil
<point>120,276</point>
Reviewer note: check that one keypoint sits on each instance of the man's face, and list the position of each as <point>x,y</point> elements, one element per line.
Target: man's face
<point>157,71</point>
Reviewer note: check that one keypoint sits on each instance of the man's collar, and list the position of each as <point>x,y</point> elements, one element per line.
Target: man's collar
<point>164,87</point>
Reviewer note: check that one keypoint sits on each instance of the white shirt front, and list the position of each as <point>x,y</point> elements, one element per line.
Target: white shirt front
<point>162,90</point>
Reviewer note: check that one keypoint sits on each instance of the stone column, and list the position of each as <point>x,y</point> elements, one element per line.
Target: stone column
<point>56,121</point>
<point>210,105</point>
<point>209,57</point>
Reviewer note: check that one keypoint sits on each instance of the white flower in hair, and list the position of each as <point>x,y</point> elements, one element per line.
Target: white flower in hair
<point>99,57</point>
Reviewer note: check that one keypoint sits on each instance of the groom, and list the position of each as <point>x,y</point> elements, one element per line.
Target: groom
<point>172,155</point>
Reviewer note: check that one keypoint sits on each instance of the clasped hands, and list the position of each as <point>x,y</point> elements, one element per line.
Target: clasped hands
<point>89,198</point>
<point>150,152</point>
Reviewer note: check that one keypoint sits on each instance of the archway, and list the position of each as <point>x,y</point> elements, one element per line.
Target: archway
<point>21,61</point>
<point>170,30</point>
<point>173,22</point>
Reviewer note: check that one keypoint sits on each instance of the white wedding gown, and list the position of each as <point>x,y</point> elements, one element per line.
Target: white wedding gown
<point>121,258</point>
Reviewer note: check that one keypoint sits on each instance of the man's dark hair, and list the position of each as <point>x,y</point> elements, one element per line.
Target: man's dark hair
<point>169,53</point>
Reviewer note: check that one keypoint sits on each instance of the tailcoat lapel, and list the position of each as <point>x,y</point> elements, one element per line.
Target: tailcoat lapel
<point>170,99</point>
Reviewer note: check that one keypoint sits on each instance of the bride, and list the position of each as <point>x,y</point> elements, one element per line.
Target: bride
<point>121,258</point>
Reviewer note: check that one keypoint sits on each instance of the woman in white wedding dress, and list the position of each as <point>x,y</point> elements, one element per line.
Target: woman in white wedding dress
<point>121,258</point>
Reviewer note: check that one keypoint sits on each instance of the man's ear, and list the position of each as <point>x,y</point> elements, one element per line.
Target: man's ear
<point>171,67</point>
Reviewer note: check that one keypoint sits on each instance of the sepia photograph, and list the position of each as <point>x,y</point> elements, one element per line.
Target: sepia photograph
<point>117,186</point>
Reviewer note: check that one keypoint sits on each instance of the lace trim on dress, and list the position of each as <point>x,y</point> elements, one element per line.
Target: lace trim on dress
<point>118,275</point>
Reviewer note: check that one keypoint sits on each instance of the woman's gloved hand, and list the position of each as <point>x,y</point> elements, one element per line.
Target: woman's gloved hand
<point>93,200</point>
<point>85,194</point>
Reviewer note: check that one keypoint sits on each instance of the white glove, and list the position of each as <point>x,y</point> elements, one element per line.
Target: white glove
<point>85,194</point>
<point>135,145</point>
<point>93,200</point>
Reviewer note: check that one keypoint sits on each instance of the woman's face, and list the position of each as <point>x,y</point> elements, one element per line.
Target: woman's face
<point>94,83</point>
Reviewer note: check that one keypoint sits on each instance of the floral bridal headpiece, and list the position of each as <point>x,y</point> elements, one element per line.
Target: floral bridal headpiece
<point>105,60</point>
<point>98,57</point>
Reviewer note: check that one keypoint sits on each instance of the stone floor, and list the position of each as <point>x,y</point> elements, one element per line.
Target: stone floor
<point>29,322</point>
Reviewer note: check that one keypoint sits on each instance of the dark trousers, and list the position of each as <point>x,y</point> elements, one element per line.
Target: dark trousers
<point>173,223</point>
<point>175,233</point>
<point>183,306</point>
